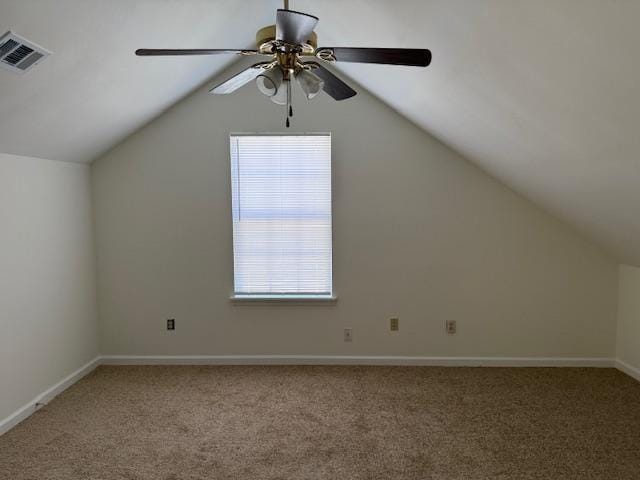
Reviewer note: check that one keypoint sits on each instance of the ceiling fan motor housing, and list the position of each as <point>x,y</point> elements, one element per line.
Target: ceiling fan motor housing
<point>266,37</point>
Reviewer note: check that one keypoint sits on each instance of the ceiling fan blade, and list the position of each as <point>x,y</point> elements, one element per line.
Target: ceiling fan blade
<point>147,52</point>
<point>335,87</point>
<point>238,80</point>
<point>416,57</point>
<point>294,27</point>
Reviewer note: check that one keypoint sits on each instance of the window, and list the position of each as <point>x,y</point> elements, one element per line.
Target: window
<point>281,206</point>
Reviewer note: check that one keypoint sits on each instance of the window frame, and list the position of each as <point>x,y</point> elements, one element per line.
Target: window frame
<point>279,298</point>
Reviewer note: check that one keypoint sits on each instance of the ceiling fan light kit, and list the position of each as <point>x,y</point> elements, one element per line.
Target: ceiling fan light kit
<point>292,48</point>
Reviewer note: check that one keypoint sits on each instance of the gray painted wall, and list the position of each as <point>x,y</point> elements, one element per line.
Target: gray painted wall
<point>419,233</point>
<point>47,276</point>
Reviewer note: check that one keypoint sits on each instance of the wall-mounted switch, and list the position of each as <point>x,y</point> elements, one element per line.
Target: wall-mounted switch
<point>394,324</point>
<point>171,324</point>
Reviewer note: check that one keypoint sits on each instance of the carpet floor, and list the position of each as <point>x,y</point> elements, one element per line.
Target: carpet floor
<point>281,423</point>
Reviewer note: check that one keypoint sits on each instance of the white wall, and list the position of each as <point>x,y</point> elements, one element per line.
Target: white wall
<point>628,348</point>
<point>47,276</point>
<point>419,233</point>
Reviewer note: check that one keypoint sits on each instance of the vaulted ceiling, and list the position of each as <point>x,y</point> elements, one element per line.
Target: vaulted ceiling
<point>544,95</point>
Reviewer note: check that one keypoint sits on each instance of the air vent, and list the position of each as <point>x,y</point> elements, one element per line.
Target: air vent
<point>18,54</point>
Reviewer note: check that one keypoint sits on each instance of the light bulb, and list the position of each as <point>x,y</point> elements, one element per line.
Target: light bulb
<point>310,83</point>
<point>269,81</point>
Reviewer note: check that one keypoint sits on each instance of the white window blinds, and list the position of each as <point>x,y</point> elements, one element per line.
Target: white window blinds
<point>281,187</point>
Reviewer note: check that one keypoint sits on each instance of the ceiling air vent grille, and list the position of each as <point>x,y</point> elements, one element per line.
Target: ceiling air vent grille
<point>18,54</point>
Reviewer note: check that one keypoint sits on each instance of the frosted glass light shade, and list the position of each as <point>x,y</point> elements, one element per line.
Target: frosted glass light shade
<point>269,81</point>
<point>281,95</point>
<point>311,84</point>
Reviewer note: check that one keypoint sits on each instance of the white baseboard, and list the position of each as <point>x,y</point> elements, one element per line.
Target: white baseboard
<point>19,415</point>
<point>357,360</point>
<point>628,369</point>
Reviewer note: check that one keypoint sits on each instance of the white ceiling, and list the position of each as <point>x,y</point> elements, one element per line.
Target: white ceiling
<point>545,94</point>
<point>93,91</point>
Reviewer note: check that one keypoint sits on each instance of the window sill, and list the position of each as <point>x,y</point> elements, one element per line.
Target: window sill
<point>283,299</point>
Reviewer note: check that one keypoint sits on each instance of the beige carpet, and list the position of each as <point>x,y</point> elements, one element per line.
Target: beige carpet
<point>171,423</point>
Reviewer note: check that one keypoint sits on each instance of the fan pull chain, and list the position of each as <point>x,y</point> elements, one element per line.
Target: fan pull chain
<point>289,107</point>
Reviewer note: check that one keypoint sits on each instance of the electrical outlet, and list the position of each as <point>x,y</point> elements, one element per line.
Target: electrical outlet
<point>348,334</point>
<point>451,327</point>
<point>171,324</point>
<point>394,324</point>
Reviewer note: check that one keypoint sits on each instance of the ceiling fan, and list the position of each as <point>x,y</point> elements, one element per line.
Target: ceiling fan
<point>291,47</point>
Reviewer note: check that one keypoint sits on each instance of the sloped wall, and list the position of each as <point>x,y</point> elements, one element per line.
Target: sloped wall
<point>419,233</point>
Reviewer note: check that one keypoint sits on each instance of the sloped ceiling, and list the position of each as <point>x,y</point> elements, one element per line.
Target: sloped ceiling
<point>93,92</point>
<point>544,95</point>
